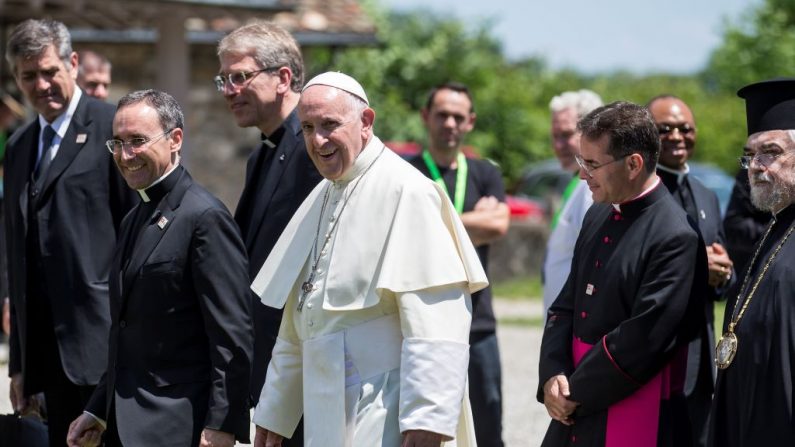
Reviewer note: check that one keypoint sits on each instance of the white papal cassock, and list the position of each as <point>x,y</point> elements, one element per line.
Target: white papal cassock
<point>381,344</point>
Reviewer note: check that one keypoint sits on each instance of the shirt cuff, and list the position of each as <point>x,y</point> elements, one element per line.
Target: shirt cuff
<point>96,418</point>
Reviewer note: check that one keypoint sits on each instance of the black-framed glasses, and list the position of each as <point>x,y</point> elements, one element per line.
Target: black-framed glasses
<point>135,145</point>
<point>589,168</point>
<point>763,158</point>
<point>238,79</point>
<point>684,128</point>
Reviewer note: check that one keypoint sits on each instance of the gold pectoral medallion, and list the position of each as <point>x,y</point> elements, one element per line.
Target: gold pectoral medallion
<point>726,350</point>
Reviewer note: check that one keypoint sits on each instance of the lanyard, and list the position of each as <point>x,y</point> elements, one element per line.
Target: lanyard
<point>566,195</point>
<point>460,178</point>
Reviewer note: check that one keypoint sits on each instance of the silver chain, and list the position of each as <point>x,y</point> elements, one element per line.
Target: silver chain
<point>308,286</point>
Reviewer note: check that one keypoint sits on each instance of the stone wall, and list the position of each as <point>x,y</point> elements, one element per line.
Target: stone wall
<point>520,253</point>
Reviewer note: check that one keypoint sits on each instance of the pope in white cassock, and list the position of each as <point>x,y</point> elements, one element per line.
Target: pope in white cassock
<point>375,273</point>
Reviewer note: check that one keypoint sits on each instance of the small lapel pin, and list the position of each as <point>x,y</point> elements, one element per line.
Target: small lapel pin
<point>162,222</point>
<point>81,138</point>
<point>702,214</point>
<point>281,157</point>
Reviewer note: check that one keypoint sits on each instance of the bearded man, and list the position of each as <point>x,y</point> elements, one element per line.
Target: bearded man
<point>753,402</point>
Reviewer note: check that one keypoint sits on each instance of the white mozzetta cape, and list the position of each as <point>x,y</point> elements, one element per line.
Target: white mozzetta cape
<point>390,311</point>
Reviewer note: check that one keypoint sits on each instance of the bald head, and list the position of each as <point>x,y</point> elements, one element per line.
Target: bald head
<point>677,129</point>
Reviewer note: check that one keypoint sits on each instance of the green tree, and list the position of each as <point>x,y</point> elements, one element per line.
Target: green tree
<point>759,46</point>
<point>421,49</point>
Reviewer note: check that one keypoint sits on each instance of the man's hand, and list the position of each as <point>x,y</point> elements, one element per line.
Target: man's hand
<point>556,394</point>
<point>85,431</point>
<point>488,220</point>
<point>265,438</point>
<point>421,438</point>
<point>487,203</point>
<point>6,316</point>
<point>719,264</point>
<point>215,438</point>
<point>20,403</point>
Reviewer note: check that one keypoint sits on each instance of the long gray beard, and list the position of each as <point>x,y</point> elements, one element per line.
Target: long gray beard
<point>773,197</point>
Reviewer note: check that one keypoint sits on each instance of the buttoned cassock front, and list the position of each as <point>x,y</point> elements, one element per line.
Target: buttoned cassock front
<point>381,343</point>
<point>620,327</point>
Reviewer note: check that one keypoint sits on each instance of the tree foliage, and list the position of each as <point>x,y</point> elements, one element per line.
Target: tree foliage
<point>420,49</point>
<point>761,45</point>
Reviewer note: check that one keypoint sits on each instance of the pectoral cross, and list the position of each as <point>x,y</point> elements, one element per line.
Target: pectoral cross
<point>306,288</point>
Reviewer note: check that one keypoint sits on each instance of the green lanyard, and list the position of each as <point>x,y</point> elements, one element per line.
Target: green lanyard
<point>460,179</point>
<point>566,195</point>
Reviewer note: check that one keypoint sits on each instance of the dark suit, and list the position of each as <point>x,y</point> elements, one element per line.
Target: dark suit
<point>181,338</point>
<point>276,184</point>
<point>704,209</point>
<point>60,238</point>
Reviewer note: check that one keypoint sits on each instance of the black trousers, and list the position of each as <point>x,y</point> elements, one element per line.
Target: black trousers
<point>65,402</point>
<point>485,388</point>
<point>64,399</point>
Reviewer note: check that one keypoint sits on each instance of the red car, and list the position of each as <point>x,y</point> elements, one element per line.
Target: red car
<point>521,208</point>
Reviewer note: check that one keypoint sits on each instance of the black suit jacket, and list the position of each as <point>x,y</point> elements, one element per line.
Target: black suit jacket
<point>77,213</point>
<point>262,216</point>
<point>701,350</point>
<point>181,337</point>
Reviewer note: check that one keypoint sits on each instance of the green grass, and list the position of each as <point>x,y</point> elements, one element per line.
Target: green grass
<point>521,321</point>
<point>720,307</point>
<point>518,288</point>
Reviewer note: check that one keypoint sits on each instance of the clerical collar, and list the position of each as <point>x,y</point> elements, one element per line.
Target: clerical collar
<point>160,187</point>
<point>680,175</point>
<point>639,200</point>
<point>273,140</point>
<point>366,156</point>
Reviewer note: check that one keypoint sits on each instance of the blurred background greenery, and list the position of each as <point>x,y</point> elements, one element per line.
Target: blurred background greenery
<point>421,49</point>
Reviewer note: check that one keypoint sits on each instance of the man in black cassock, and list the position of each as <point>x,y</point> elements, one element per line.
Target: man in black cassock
<point>677,129</point>
<point>753,403</point>
<point>614,351</point>
<point>180,343</point>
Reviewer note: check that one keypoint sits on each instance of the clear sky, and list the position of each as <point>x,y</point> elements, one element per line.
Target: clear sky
<point>592,36</point>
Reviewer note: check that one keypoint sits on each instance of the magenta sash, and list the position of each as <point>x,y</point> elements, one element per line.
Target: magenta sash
<point>633,422</point>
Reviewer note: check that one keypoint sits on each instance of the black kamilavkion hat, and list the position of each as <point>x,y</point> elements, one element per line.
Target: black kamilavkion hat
<point>769,105</point>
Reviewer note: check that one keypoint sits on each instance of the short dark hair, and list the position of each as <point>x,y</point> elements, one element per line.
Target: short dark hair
<point>454,86</point>
<point>630,129</point>
<point>168,110</point>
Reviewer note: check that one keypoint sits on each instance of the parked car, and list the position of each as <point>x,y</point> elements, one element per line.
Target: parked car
<point>544,182</point>
<point>521,208</point>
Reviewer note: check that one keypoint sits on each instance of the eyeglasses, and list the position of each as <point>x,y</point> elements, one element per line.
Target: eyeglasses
<point>238,79</point>
<point>135,145</point>
<point>763,158</point>
<point>684,129</point>
<point>589,168</point>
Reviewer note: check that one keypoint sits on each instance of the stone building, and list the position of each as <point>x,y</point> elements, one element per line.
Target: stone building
<point>170,45</point>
